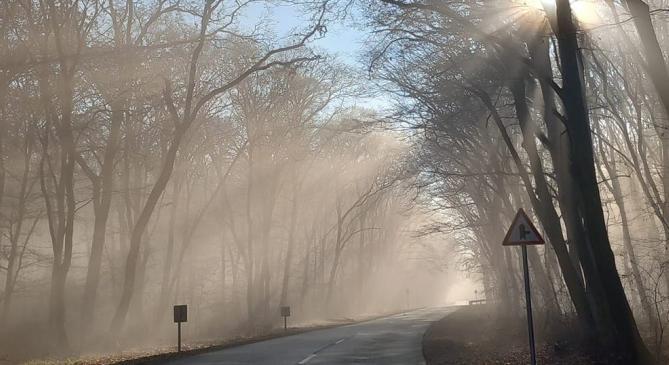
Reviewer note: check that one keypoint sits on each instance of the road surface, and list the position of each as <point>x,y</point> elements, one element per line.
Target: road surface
<point>385,341</point>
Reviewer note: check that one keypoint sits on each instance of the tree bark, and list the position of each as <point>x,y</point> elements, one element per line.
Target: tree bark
<point>104,184</point>
<point>619,330</point>
<point>138,231</point>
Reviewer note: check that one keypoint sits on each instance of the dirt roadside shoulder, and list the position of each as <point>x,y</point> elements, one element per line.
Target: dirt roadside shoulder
<point>472,335</point>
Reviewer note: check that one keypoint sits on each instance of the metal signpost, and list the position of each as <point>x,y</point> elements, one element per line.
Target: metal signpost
<point>285,313</point>
<point>180,315</point>
<point>522,233</point>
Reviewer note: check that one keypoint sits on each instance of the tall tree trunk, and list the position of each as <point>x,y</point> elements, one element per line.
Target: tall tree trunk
<point>656,67</point>
<point>616,190</point>
<point>547,213</point>
<point>338,246</point>
<point>16,230</point>
<point>60,203</point>
<point>619,328</point>
<point>549,218</point>
<point>169,253</point>
<point>102,208</point>
<point>291,244</point>
<point>138,231</point>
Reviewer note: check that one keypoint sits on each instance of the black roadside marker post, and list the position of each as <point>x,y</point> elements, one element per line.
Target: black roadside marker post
<point>285,313</point>
<point>180,315</point>
<point>522,233</point>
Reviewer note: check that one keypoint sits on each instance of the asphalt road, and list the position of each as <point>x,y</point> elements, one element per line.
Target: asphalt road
<point>385,341</point>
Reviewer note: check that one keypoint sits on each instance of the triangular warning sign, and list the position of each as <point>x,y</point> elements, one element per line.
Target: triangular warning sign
<point>522,232</point>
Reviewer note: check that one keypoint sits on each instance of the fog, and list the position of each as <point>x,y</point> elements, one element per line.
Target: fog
<point>156,153</point>
<point>559,108</point>
<point>214,154</point>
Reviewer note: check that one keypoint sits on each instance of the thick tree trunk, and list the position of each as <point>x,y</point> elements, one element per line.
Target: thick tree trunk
<point>655,63</point>
<point>60,200</point>
<point>619,328</point>
<point>550,221</point>
<point>138,231</point>
<point>102,208</point>
<point>544,205</point>
<point>62,245</point>
<point>57,308</point>
<point>559,147</point>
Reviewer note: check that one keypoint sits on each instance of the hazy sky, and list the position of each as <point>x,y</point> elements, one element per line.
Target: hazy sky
<point>341,39</point>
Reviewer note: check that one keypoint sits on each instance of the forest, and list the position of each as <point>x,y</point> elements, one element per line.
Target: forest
<point>159,152</point>
<point>560,107</point>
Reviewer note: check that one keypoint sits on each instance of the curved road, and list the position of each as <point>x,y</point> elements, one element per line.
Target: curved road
<point>390,340</point>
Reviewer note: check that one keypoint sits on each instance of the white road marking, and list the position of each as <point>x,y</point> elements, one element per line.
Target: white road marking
<point>308,358</point>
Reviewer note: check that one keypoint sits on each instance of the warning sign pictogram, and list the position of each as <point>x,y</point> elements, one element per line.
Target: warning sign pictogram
<point>522,232</point>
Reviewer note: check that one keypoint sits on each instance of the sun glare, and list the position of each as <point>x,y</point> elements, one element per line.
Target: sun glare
<point>534,4</point>
<point>586,11</point>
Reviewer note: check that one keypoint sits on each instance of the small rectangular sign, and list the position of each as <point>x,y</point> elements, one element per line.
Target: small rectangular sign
<point>285,311</point>
<point>180,313</point>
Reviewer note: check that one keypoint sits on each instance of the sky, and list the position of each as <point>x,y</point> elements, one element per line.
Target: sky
<point>341,39</point>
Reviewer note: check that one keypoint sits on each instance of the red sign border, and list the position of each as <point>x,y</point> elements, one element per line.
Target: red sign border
<point>506,242</point>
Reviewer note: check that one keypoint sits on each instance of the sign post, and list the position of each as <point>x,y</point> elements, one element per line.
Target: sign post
<point>285,313</point>
<point>528,306</point>
<point>522,233</point>
<point>180,315</point>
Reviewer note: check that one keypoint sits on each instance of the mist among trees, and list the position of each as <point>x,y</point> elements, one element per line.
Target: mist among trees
<point>559,107</point>
<point>158,152</point>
